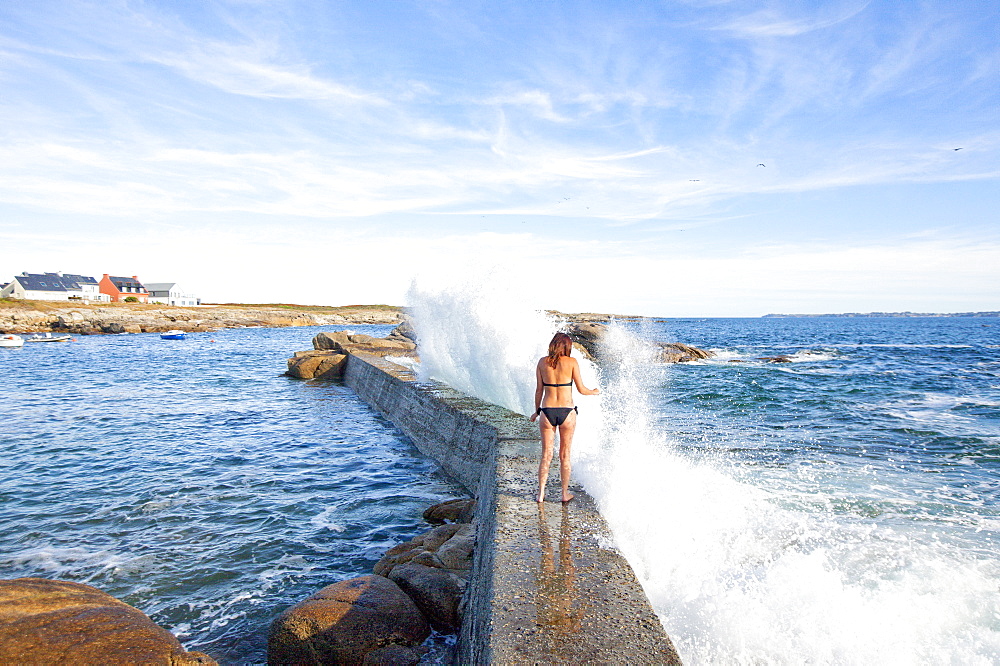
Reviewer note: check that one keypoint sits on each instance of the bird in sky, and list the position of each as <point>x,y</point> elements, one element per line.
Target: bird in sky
<point>763,165</point>
<point>958,149</point>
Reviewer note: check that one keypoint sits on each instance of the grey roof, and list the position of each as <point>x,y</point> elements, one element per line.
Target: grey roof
<point>52,281</point>
<point>80,279</point>
<point>160,286</point>
<point>120,282</point>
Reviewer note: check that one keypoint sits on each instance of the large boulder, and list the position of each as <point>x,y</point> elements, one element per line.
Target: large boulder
<point>57,622</point>
<point>333,340</point>
<point>316,365</point>
<point>437,593</point>
<point>345,623</point>
<point>447,547</point>
<point>345,342</point>
<point>783,358</point>
<point>428,542</point>
<point>456,511</point>
<point>455,554</point>
<point>404,331</point>
<point>677,352</point>
<point>587,337</point>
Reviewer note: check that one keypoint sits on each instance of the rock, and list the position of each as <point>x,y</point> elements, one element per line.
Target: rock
<point>447,547</point>
<point>677,352</point>
<point>316,365</point>
<point>331,341</point>
<point>345,342</point>
<point>589,336</point>
<point>395,655</point>
<point>432,540</point>
<point>57,622</point>
<point>775,359</point>
<point>343,623</point>
<point>436,592</point>
<point>456,510</point>
<point>398,554</point>
<point>428,559</point>
<point>132,328</point>
<point>456,552</point>
<point>404,331</point>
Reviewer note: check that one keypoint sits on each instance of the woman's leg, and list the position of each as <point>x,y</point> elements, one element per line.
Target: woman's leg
<point>566,431</point>
<point>548,445</point>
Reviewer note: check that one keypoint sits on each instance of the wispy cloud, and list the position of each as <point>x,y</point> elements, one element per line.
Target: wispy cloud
<point>783,19</point>
<point>240,71</point>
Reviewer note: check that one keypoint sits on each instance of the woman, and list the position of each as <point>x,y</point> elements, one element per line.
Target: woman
<point>555,375</point>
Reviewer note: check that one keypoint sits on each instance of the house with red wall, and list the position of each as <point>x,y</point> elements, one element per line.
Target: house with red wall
<point>120,288</point>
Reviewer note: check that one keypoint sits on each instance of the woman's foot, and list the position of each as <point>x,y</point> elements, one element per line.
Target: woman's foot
<point>567,497</point>
<point>540,497</point>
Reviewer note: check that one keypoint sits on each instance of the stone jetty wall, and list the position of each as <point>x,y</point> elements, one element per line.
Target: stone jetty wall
<point>547,584</point>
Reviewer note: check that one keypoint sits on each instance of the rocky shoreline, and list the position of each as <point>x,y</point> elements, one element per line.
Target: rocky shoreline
<point>113,318</point>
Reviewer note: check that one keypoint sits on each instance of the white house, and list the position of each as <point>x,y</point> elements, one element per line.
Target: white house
<point>53,287</point>
<point>169,293</point>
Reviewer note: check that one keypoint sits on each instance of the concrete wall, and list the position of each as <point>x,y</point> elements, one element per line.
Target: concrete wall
<point>547,585</point>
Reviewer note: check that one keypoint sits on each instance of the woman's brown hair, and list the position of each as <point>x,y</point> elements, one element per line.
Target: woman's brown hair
<point>561,345</point>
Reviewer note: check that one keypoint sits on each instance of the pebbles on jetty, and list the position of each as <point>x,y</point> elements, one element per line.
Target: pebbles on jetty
<point>57,622</point>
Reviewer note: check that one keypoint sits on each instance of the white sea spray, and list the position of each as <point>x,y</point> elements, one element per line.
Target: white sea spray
<point>744,563</point>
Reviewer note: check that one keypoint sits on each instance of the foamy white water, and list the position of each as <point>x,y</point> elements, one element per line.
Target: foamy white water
<point>743,564</point>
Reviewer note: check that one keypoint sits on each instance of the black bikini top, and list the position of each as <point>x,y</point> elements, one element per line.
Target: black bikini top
<point>566,384</point>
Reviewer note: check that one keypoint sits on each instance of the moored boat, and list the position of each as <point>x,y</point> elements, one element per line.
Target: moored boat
<point>173,335</point>
<point>48,337</point>
<point>11,340</point>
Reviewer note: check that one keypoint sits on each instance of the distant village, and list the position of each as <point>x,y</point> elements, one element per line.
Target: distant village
<point>61,286</point>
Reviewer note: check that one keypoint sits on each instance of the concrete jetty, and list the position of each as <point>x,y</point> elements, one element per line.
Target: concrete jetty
<point>548,585</point>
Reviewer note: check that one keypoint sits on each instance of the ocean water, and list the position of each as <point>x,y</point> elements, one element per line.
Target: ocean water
<point>843,508</point>
<point>194,481</point>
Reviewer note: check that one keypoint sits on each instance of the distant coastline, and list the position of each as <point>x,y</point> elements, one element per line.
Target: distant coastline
<point>21,316</point>
<point>891,314</point>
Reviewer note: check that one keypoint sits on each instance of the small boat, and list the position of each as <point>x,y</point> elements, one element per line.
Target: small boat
<point>173,335</point>
<point>48,337</point>
<point>11,340</point>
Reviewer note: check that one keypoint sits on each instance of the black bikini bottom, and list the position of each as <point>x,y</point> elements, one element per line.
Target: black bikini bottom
<point>557,415</point>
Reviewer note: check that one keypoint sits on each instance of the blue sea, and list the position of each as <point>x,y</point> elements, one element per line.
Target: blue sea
<point>194,481</point>
<point>842,508</point>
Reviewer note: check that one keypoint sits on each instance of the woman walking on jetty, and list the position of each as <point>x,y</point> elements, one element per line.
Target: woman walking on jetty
<point>555,375</point>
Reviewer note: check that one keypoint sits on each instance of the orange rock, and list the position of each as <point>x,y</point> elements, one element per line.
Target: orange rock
<point>57,622</point>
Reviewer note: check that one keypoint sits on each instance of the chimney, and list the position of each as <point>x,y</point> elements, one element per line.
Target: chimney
<point>106,276</point>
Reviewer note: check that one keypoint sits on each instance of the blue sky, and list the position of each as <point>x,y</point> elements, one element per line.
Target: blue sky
<point>607,155</point>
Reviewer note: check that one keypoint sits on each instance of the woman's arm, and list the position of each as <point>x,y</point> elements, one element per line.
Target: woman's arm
<point>579,381</point>
<point>539,389</point>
